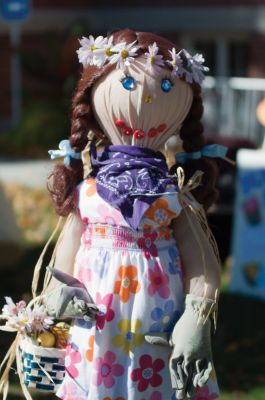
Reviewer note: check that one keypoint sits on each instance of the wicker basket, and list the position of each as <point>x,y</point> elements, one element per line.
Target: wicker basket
<point>42,368</point>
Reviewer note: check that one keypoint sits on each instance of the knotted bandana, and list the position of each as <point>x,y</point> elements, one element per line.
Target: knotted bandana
<point>130,178</point>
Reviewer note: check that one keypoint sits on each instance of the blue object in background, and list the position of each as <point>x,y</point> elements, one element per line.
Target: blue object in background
<point>15,10</point>
<point>248,272</point>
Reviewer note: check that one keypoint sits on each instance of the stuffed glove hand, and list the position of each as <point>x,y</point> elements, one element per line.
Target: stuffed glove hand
<point>190,363</point>
<point>71,300</point>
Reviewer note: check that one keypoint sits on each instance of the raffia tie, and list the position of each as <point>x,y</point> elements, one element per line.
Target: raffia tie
<point>85,155</point>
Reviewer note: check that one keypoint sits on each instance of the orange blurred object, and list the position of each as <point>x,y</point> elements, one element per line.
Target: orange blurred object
<point>260,112</point>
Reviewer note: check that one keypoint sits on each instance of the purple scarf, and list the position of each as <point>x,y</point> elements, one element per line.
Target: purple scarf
<point>130,178</point>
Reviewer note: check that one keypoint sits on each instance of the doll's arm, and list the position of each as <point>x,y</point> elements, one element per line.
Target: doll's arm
<point>66,296</point>
<point>200,263</point>
<point>67,247</point>
<point>191,359</point>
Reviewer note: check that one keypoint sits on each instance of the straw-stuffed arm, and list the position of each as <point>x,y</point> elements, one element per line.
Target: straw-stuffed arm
<point>66,296</point>
<point>191,359</point>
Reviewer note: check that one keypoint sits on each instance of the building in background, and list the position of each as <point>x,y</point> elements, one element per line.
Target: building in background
<point>230,33</point>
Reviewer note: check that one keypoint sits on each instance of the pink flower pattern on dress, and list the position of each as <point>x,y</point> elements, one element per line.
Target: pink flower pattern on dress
<point>203,393</point>
<point>70,392</point>
<point>72,357</point>
<point>87,232</point>
<point>147,374</point>
<point>109,216</point>
<point>158,281</point>
<point>107,370</point>
<point>147,244</point>
<point>106,313</point>
<point>104,370</point>
<point>84,274</point>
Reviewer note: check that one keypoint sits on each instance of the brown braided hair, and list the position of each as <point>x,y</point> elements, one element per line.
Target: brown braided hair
<point>64,180</point>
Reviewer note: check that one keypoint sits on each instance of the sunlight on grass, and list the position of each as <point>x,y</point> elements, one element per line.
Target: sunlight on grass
<point>255,394</point>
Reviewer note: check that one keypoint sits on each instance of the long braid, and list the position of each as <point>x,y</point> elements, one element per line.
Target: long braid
<point>65,179</point>
<point>193,139</point>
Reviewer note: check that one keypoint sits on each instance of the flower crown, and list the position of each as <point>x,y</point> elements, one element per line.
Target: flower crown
<point>100,50</point>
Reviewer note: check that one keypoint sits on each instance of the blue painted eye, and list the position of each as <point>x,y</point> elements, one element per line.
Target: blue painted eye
<point>166,85</point>
<point>128,82</point>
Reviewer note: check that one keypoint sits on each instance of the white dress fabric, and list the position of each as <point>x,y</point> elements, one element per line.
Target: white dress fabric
<point>135,279</point>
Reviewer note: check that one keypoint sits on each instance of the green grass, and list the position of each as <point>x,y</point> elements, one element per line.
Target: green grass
<point>255,394</point>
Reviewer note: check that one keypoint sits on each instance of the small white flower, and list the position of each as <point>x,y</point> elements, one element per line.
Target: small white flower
<point>11,309</point>
<point>19,322</point>
<point>101,55</point>
<point>123,54</point>
<point>198,68</point>
<point>194,68</point>
<point>87,53</point>
<point>38,319</point>
<point>24,320</point>
<point>176,63</point>
<point>154,62</point>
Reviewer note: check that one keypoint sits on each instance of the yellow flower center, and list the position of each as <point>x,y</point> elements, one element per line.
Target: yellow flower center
<point>153,60</point>
<point>93,47</point>
<point>124,53</point>
<point>108,52</point>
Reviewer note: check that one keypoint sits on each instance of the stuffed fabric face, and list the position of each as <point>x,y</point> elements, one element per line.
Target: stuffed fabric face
<point>139,107</point>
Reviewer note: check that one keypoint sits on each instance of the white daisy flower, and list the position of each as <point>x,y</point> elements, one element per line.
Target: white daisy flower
<point>11,309</point>
<point>176,63</point>
<point>155,61</point>
<point>89,48</point>
<point>101,55</point>
<point>123,54</point>
<point>194,68</point>
<point>38,318</point>
<point>198,68</point>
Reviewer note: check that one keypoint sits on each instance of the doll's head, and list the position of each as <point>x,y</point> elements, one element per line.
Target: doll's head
<point>140,106</point>
<point>141,93</point>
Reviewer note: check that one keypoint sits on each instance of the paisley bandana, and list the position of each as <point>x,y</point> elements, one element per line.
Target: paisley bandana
<point>130,178</point>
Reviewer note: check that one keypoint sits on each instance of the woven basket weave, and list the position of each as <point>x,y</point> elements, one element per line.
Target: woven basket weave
<point>42,368</point>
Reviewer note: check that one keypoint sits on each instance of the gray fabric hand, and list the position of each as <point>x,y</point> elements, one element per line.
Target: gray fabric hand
<point>70,300</point>
<point>190,363</point>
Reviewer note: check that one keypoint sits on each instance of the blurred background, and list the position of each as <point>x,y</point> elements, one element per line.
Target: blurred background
<point>38,74</point>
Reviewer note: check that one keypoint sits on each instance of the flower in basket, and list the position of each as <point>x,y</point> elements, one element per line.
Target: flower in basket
<point>25,320</point>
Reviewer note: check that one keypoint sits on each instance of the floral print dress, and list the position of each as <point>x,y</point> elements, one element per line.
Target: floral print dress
<point>135,279</point>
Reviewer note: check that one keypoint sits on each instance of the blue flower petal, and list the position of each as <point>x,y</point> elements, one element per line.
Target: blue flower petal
<point>172,268</point>
<point>156,327</point>
<point>169,306</point>
<point>174,318</point>
<point>81,323</point>
<point>157,313</point>
<point>173,253</point>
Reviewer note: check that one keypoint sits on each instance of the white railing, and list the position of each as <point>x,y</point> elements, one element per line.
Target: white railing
<point>230,107</point>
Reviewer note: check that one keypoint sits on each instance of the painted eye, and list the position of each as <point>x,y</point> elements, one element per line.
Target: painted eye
<point>128,82</point>
<point>166,85</point>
